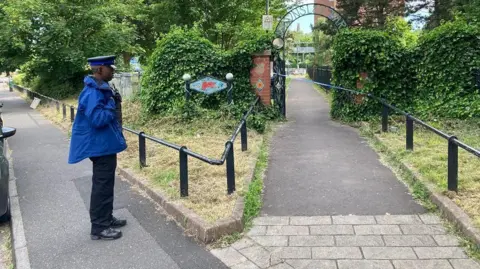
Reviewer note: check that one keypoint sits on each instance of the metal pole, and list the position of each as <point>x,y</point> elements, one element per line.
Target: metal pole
<point>64,111</point>
<point>72,114</point>
<point>452,164</point>
<point>142,152</point>
<point>230,169</point>
<point>57,105</point>
<point>267,7</point>
<point>385,118</point>
<point>409,133</point>
<point>244,136</point>
<point>183,172</point>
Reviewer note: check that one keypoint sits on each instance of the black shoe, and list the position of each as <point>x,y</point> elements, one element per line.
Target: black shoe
<point>107,234</point>
<point>117,223</point>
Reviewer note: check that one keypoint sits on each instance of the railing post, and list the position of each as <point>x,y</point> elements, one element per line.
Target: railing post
<point>183,172</point>
<point>72,114</point>
<point>230,169</point>
<point>142,152</point>
<point>385,118</point>
<point>244,136</point>
<point>64,111</point>
<point>409,123</point>
<point>452,164</point>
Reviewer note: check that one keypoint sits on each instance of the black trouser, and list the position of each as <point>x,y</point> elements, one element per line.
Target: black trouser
<point>101,200</point>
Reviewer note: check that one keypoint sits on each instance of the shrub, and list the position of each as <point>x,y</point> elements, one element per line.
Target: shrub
<point>385,61</point>
<point>185,50</point>
<point>446,57</point>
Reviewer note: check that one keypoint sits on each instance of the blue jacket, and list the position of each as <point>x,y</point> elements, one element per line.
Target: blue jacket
<point>96,131</point>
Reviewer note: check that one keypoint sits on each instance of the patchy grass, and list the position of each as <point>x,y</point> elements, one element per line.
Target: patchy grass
<point>430,156</point>
<point>253,197</point>
<point>327,95</point>
<point>7,254</point>
<point>207,183</point>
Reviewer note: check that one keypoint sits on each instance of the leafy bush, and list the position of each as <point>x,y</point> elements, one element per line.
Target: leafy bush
<point>429,75</point>
<point>385,61</point>
<point>186,51</point>
<point>446,57</point>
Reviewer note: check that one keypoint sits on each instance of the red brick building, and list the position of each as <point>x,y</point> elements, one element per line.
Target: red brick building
<point>396,7</point>
<point>324,11</point>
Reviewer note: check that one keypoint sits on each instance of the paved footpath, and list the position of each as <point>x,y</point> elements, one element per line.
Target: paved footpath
<point>330,204</point>
<point>54,198</point>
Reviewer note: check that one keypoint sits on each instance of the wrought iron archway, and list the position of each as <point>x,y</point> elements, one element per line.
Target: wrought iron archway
<point>279,87</point>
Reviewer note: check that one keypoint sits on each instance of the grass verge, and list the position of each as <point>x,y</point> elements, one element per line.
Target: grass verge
<point>429,159</point>
<point>253,197</point>
<point>207,183</point>
<point>7,255</point>
<point>415,180</point>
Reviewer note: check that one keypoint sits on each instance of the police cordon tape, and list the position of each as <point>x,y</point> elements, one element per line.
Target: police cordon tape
<point>453,142</point>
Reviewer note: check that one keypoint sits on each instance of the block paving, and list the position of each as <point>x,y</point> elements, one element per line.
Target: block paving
<point>347,242</point>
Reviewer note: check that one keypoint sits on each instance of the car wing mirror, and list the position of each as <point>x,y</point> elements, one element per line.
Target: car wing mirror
<point>8,132</point>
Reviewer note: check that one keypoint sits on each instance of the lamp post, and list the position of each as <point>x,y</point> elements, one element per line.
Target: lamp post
<point>187,78</point>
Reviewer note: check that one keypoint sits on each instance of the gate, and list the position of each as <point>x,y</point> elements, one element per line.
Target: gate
<point>279,75</point>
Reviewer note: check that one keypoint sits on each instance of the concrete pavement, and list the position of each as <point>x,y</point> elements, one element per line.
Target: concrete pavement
<point>54,197</point>
<point>348,242</point>
<point>320,167</point>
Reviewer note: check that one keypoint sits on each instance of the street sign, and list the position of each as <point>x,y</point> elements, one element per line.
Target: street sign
<point>267,22</point>
<point>208,85</point>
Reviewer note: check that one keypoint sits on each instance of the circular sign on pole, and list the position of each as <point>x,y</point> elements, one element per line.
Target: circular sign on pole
<point>278,43</point>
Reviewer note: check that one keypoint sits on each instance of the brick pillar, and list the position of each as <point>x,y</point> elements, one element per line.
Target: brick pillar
<point>360,97</point>
<point>260,76</point>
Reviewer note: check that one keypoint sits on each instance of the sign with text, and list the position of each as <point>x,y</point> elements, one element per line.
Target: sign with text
<point>267,22</point>
<point>208,85</point>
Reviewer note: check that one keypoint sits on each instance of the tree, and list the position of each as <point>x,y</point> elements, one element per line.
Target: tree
<point>59,36</point>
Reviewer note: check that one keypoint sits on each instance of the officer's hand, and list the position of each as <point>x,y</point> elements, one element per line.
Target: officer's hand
<point>117,97</point>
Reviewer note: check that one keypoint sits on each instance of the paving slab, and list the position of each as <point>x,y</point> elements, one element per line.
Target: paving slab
<point>334,249</point>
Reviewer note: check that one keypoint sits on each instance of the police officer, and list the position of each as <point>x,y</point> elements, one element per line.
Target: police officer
<point>97,135</point>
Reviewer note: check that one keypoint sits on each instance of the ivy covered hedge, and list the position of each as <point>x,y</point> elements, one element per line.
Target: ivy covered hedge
<point>429,75</point>
<point>186,51</point>
<point>385,61</point>
<point>446,57</point>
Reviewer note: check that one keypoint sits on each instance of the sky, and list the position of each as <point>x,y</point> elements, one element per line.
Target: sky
<point>306,21</point>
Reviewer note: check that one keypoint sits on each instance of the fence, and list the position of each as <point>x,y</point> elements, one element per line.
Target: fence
<point>322,74</point>
<point>127,83</point>
<point>453,142</point>
<point>228,155</point>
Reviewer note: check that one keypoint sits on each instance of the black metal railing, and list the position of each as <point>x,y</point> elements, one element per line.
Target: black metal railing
<point>322,74</point>
<point>227,156</point>
<point>453,142</point>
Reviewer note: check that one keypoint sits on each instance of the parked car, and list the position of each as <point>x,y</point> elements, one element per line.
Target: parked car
<point>5,132</point>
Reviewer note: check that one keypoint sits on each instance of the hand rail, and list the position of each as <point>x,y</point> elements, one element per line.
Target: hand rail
<point>453,141</point>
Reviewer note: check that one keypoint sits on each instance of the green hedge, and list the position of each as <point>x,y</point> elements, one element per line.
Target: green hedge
<point>385,61</point>
<point>431,78</point>
<point>446,57</point>
<point>186,51</point>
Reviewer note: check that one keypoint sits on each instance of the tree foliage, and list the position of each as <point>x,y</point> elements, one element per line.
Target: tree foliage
<point>50,40</point>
